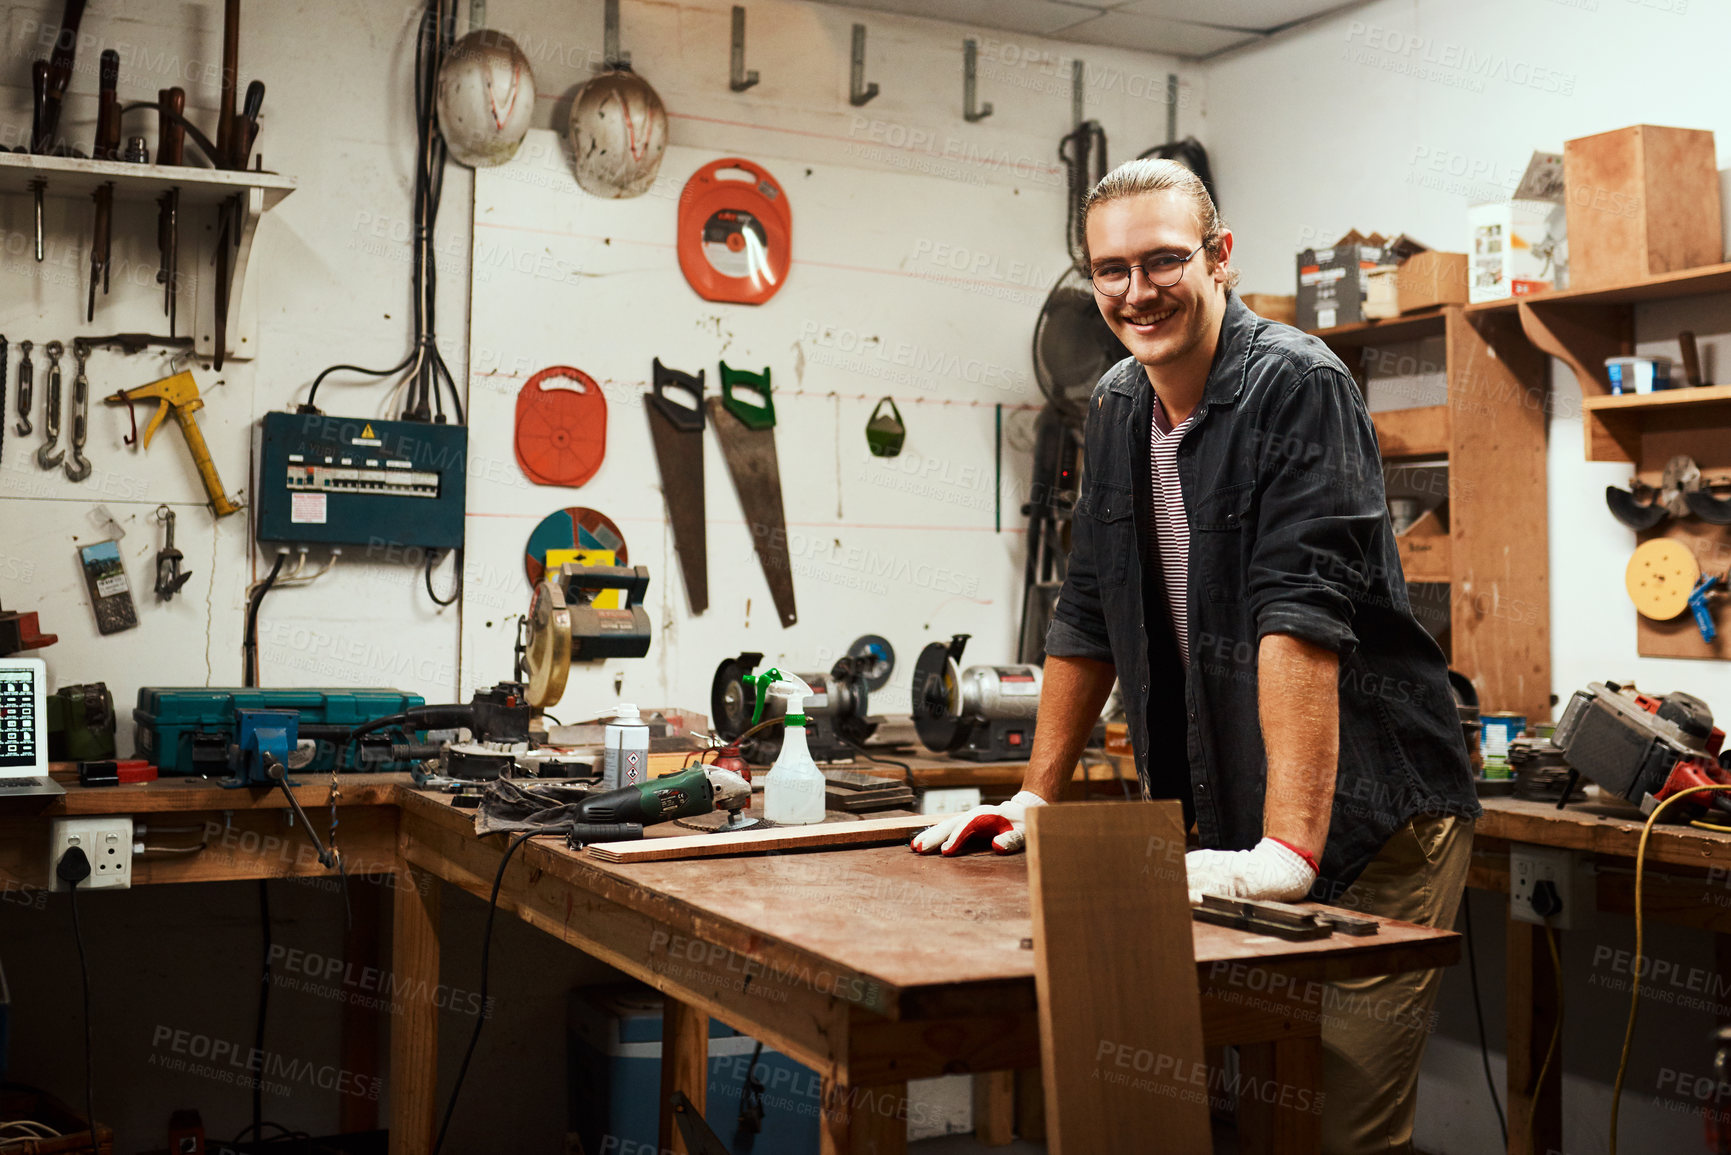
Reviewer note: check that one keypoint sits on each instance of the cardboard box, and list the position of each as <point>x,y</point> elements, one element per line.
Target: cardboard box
<point>1275,306</point>
<point>1428,279</point>
<point>1332,284</point>
<point>1642,201</point>
<point>1513,248</point>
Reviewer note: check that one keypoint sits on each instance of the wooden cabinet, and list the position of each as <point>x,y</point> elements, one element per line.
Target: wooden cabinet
<point>1494,557</point>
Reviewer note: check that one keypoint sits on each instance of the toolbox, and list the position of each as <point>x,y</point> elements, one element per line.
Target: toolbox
<point>187,730</point>
<point>614,1076</point>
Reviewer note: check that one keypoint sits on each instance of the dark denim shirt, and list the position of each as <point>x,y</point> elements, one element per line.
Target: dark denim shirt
<point>1289,534</point>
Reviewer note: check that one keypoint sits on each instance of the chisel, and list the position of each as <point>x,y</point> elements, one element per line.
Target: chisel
<point>170,150</point>
<point>106,147</point>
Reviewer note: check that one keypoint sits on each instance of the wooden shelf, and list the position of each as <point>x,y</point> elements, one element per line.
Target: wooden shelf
<point>69,177</point>
<point>1615,424</point>
<point>1684,283</point>
<point>201,191</point>
<point>1412,328</point>
<point>1406,434</point>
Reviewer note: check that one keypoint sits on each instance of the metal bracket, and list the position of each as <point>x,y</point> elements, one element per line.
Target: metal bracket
<point>971,109</point>
<point>859,92</point>
<point>611,56</point>
<point>740,79</point>
<point>1078,76</point>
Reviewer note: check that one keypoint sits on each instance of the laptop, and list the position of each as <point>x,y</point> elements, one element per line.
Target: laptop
<point>24,729</point>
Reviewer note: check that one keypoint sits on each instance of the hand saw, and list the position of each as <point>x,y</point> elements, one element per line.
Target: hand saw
<point>747,434</point>
<point>677,431</point>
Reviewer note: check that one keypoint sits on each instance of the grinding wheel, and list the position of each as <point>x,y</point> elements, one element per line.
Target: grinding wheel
<point>1660,577</point>
<point>937,699</point>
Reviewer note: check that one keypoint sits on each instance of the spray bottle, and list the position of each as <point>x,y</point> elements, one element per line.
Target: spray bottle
<point>793,794</point>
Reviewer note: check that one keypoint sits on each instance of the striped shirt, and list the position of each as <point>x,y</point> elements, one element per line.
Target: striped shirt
<point>1171,524</point>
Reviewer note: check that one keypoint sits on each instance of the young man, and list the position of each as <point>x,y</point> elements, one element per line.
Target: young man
<point>1234,570</point>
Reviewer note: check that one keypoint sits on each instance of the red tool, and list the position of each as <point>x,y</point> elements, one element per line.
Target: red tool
<point>735,236</point>
<point>561,431</point>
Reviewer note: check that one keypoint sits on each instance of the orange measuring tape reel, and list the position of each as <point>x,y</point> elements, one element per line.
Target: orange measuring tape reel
<point>735,235</point>
<point>562,430</point>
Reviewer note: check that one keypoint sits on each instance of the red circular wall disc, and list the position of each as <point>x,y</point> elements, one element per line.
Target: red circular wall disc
<point>735,236</point>
<point>562,430</point>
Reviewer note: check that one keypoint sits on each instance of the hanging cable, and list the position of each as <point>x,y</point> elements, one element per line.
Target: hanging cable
<point>433,557</point>
<point>249,641</point>
<point>1479,1014</point>
<point>427,378</point>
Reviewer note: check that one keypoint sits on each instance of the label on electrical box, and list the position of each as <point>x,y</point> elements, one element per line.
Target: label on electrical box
<point>307,508</point>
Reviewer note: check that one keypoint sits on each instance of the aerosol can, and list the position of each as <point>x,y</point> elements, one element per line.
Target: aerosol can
<point>793,793</point>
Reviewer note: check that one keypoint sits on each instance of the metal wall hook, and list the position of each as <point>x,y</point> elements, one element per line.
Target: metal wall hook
<point>740,79</point>
<point>971,109</point>
<point>611,56</point>
<point>859,92</point>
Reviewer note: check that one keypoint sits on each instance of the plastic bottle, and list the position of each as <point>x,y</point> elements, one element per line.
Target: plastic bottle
<point>626,758</point>
<point>793,793</point>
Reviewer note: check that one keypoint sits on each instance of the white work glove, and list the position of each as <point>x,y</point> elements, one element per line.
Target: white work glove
<point>1272,871</point>
<point>1003,824</point>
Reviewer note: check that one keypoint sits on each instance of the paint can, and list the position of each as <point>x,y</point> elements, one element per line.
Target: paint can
<point>1497,731</point>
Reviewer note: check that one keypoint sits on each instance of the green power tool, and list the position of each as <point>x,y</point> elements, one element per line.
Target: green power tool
<point>620,815</point>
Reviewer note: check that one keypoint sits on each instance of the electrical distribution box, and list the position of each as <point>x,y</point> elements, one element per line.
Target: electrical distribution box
<point>350,481</point>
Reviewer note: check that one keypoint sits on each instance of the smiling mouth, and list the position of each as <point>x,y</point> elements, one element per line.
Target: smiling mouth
<point>1146,322</point>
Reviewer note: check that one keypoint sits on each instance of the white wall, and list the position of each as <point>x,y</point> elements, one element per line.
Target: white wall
<point>1409,112</point>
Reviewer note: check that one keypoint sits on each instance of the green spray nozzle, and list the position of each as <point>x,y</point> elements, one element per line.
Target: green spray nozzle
<point>762,684</point>
<point>751,416</point>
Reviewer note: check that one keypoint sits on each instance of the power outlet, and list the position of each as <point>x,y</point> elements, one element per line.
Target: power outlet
<point>1565,870</point>
<point>106,841</point>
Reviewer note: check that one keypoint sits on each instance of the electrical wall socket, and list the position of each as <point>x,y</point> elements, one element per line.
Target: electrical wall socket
<point>1567,870</point>
<point>106,841</point>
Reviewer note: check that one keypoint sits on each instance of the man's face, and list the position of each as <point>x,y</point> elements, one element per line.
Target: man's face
<point>1159,325</point>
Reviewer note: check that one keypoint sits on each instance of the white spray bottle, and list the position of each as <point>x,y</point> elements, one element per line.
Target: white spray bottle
<point>793,793</point>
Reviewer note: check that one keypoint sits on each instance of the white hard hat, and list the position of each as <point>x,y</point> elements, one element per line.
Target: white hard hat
<point>618,132</point>
<point>486,98</point>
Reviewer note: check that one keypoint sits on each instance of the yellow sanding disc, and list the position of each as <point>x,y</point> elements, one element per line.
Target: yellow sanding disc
<point>1660,578</point>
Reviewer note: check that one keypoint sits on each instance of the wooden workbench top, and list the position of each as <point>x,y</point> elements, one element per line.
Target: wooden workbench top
<point>1600,827</point>
<point>910,922</point>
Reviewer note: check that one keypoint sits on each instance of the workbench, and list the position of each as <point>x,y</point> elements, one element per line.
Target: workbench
<point>870,966</point>
<point>1688,883</point>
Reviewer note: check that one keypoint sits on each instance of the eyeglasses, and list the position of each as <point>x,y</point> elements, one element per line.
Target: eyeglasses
<point>1162,271</point>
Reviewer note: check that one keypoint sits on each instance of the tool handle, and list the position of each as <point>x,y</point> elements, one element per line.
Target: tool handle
<point>107,145</point>
<point>1691,358</point>
<point>246,125</point>
<point>1698,606</point>
<point>170,135</point>
<point>686,419</point>
<point>230,69</point>
<point>751,416</point>
<point>39,90</point>
<point>219,501</point>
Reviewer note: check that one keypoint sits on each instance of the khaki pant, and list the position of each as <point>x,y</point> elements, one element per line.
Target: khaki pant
<point>1374,1029</point>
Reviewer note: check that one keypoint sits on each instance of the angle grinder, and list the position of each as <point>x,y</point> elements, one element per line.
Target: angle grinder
<point>620,815</point>
<point>980,714</point>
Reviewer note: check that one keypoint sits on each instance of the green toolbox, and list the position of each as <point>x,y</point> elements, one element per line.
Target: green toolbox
<point>187,730</point>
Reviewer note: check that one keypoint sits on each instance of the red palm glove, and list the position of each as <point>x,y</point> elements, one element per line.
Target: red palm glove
<point>1002,824</point>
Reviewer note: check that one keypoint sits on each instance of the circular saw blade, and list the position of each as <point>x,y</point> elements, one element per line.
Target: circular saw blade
<point>1661,575</point>
<point>549,649</point>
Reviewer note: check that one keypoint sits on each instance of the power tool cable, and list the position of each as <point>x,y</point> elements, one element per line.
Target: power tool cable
<point>486,959</point>
<point>1479,1014</point>
<point>72,869</point>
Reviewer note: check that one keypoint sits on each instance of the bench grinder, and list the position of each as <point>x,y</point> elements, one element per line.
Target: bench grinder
<point>835,710</point>
<point>982,713</point>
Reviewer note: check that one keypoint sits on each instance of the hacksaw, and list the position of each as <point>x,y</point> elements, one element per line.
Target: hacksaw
<point>747,435</point>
